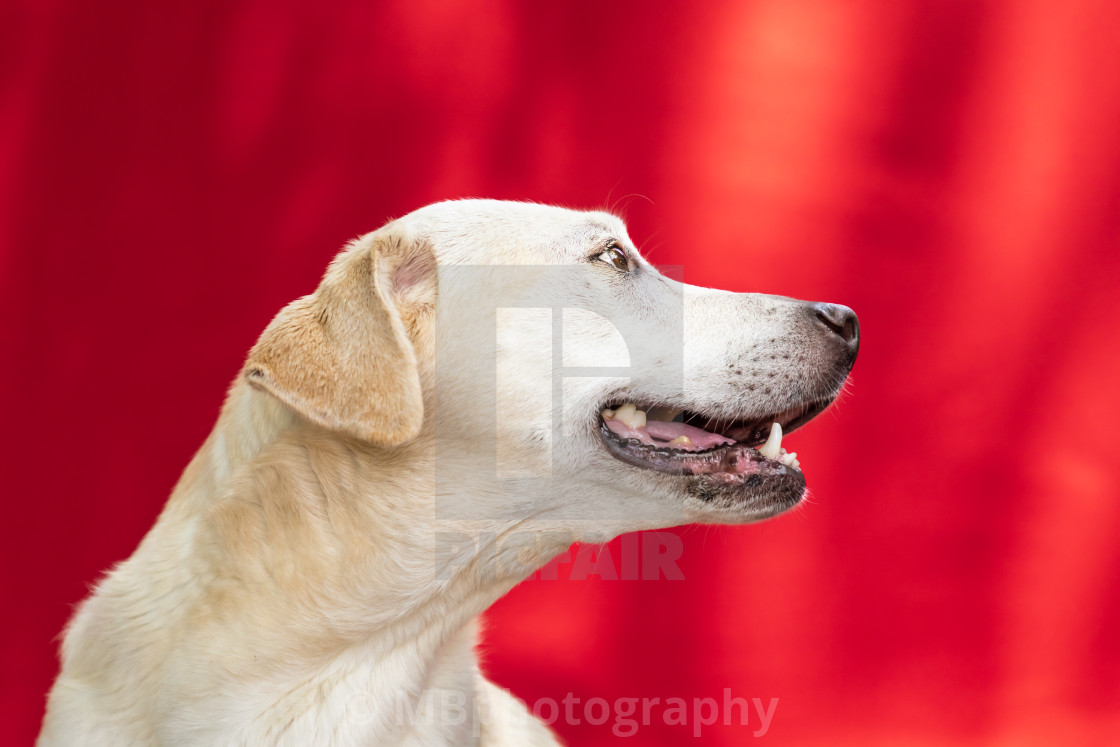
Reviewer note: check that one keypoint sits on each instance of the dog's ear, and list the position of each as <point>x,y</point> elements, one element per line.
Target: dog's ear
<point>341,357</point>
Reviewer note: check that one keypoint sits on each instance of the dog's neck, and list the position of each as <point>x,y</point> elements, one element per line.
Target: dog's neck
<point>379,579</point>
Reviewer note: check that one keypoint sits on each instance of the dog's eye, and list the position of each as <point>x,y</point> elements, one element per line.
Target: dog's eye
<point>616,258</point>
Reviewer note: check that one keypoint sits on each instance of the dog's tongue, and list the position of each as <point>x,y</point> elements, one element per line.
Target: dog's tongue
<point>665,434</point>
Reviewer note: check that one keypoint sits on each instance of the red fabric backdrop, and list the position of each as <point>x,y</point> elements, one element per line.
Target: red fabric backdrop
<point>172,174</point>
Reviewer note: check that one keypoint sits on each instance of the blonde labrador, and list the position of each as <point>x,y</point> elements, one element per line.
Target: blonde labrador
<point>470,389</point>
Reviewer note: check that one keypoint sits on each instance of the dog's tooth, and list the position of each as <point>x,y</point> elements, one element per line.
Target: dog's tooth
<point>770,449</point>
<point>682,440</point>
<point>631,415</point>
<point>607,414</point>
<point>789,459</point>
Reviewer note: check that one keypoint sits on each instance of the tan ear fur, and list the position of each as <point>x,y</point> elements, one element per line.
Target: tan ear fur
<point>341,357</point>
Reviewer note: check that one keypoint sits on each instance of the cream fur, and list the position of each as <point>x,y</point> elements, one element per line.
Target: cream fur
<point>290,593</point>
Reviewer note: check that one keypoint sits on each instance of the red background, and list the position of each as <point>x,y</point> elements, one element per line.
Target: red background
<point>171,176</point>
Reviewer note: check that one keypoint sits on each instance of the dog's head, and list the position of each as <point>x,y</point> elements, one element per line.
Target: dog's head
<point>552,370</point>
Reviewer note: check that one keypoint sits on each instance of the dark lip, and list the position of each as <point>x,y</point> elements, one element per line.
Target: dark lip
<point>753,432</point>
<point>735,477</point>
<point>736,463</point>
<point>736,459</point>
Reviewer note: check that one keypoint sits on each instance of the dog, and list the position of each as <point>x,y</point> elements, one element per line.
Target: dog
<point>470,389</point>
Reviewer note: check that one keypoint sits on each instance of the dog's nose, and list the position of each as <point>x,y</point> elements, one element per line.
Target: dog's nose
<point>840,320</point>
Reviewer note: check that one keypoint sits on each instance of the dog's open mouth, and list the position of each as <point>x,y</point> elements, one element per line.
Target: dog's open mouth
<point>680,442</point>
